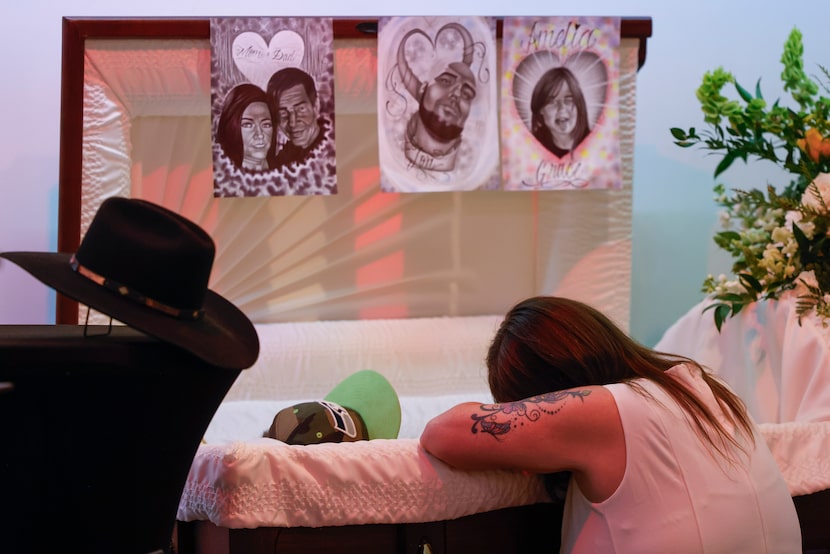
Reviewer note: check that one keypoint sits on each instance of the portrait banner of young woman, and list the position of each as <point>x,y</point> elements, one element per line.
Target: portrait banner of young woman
<point>560,103</point>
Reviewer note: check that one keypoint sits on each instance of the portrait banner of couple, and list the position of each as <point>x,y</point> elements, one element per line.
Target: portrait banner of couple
<point>272,106</point>
<point>560,103</point>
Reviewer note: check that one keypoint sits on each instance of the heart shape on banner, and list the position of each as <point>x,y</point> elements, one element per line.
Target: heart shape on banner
<point>589,70</point>
<point>259,61</point>
<point>421,57</point>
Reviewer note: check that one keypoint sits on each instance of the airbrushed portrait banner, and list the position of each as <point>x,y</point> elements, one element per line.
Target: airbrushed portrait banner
<point>272,106</point>
<point>560,103</point>
<point>437,104</point>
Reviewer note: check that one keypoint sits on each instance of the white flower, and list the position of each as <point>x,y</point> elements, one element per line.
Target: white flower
<point>819,188</point>
<point>781,234</point>
<point>790,247</point>
<point>792,216</point>
<point>755,236</point>
<point>772,254</point>
<point>734,287</point>
<point>722,285</point>
<point>808,228</point>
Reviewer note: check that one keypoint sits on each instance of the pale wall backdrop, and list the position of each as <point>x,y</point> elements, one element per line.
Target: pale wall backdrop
<point>674,215</point>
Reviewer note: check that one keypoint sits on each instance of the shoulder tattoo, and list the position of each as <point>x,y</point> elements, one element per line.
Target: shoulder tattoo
<point>499,419</point>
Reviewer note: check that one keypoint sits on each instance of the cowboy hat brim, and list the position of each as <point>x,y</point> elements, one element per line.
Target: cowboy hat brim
<point>223,336</point>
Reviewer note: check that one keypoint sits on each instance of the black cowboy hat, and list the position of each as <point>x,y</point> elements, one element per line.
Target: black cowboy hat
<point>148,267</point>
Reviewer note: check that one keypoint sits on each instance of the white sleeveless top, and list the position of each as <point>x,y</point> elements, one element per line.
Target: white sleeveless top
<point>677,495</point>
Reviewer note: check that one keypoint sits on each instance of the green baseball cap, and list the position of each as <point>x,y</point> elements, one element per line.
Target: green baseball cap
<point>362,406</point>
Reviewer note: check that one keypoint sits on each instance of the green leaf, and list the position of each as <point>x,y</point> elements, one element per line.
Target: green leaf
<point>758,90</point>
<point>750,282</point>
<point>712,307</point>
<point>721,313</point>
<point>803,243</point>
<point>678,133</point>
<point>731,297</point>
<point>778,284</point>
<point>742,91</point>
<point>729,235</point>
<point>727,160</point>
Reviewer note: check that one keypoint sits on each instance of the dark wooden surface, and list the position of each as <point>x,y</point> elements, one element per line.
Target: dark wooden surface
<point>534,528</point>
<point>814,516</point>
<point>97,435</point>
<point>524,529</point>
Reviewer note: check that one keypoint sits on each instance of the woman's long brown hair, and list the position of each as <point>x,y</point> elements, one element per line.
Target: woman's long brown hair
<point>548,343</point>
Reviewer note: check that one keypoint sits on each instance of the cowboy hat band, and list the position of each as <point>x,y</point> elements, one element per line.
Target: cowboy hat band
<point>135,295</point>
<point>148,267</point>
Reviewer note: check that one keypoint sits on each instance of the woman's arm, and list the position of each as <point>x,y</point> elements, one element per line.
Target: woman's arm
<point>565,430</point>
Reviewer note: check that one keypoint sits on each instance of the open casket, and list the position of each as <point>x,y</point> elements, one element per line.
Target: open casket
<point>410,285</point>
<point>243,489</point>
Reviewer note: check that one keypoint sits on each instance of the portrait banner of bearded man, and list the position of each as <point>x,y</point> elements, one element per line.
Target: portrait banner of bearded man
<point>437,104</point>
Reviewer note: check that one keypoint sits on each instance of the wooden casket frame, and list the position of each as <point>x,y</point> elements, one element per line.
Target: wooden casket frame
<point>537,241</point>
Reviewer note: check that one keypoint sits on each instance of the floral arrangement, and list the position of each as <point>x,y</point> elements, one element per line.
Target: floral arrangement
<point>778,238</point>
